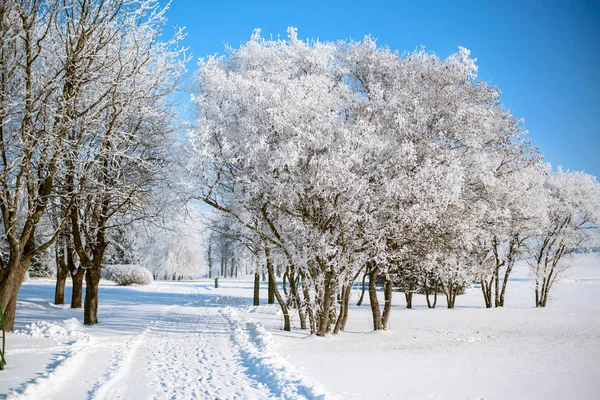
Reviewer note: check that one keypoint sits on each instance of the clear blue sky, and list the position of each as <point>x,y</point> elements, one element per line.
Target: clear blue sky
<point>544,55</point>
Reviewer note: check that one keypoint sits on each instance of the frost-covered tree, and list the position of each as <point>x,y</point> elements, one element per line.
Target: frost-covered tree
<point>32,141</point>
<point>123,246</point>
<point>84,121</point>
<point>342,157</point>
<point>573,217</point>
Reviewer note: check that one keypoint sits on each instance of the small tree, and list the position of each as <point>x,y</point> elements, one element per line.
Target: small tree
<point>573,219</point>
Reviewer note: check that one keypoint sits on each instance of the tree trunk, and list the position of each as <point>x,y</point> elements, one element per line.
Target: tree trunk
<point>338,322</point>
<point>376,313</point>
<point>509,265</point>
<point>90,311</point>
<point>326,305</point>
<point>308,305</point>
<point>77,279</point>
<point>9,290</point>
<point>296,298</point>
<point>271,288</point>
<point>486,288</point>
<point>428,292</point>
<point>451,292</point>
<point>497,286</point>
<point>346,305</point>
<point>284,285</point>
<point>387,308</point>
<point>286,316</point>
<point>408,294</point>
<point>256,289</point>
<point>61,279</point>
<point>362,293</point>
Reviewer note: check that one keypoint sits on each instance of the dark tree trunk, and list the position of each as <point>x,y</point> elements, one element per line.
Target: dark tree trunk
<point>9,288</point>
<point>61,279</point>
<point>77,279</point>
<point>340,324</point>
<point>486,288</point>
<point>451,291</point>
<point>376,313</point>
<point>408,294</point>
<point>256,289</point>
<point>430,304</point>
<point>324,321</point>
<point>284,285</point>
<point>286,316</point>
<point>362,293</point>
<point>346,306</point>
<point>271,288</point>
<point>90,311</point>
<point>308,305</point>
<point>387,308</point>
<point>295,296</point>
<point>509,266</point>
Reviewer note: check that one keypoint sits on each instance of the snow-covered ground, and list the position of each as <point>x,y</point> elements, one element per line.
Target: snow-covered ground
<point>187,340</point>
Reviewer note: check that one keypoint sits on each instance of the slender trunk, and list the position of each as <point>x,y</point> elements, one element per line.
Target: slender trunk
<point>284,285</point>
<point>376,313</point>
<point>450,291</point>
<point>408,294</point>
<point>426,289</point>
<point>510,264</point>
<point>326,305</point>
<point>296,298</point>
<point>338,323</point>
<point>256,289</point>
<point>362,293</point>
<point>77,279</point>
<point>286,316</point>
<point>308,305</point>
<point>346,303</point>
<point>271,288</point>
<point>486,288</point>
<point>61,277</point>
<point>387,308</point>
<point>497,286</point>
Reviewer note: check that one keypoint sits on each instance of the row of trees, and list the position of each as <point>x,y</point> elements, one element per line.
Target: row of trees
<point>85,119</point>
<point>342,159</point>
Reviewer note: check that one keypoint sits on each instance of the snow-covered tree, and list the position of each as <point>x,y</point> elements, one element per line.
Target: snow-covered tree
<point>344,155</point>
<point>573,217</point>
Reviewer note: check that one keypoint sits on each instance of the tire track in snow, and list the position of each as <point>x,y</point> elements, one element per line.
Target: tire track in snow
<point>56,374</point>
<point>192,357</point>
<point>108,386</point>
<point>257,348</point>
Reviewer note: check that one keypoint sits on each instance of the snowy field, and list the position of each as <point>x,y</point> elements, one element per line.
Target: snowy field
<point>190,341</point>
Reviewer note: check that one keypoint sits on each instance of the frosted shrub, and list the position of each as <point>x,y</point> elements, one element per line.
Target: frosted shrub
<point>126,275</point>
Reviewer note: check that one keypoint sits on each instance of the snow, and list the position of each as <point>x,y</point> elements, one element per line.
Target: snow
<point>189,340</point>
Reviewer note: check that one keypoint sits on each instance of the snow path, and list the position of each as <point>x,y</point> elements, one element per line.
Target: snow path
<point>200,350</point>
<point>55,376</point>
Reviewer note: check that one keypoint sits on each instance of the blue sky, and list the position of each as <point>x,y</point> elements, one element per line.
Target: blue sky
<point>544,55</point>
